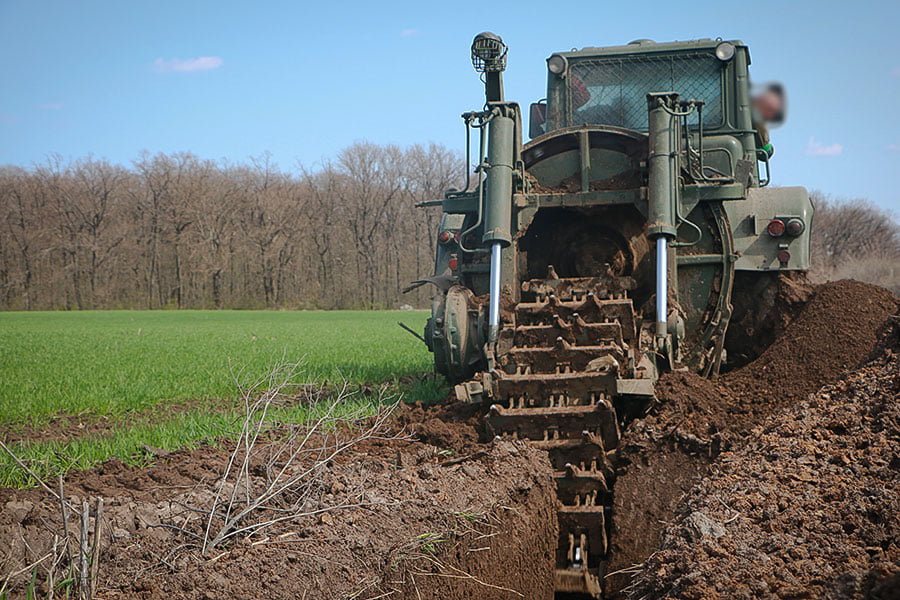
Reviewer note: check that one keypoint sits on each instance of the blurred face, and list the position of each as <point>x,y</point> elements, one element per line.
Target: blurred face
<point>768,105</point>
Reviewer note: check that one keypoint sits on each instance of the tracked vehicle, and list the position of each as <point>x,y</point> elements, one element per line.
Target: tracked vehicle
<point>616,244</point>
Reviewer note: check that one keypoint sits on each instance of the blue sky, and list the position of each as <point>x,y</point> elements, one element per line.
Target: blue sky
<point>304,79</point>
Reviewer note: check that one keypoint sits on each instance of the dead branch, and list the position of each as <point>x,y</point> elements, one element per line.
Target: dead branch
<point>285,487</point>
<point>95,553</point>
<point>84,588</point>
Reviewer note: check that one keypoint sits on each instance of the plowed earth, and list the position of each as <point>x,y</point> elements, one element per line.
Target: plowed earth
<point>759,485</point>
<point>399,518</point>
<point>842,326</point>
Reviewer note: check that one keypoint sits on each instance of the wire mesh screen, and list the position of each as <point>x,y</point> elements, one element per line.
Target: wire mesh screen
<point>613,90</point>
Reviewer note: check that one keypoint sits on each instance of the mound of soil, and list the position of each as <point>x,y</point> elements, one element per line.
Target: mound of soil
<point>661,457</point>
<point>807,507</point>
<point>839,328</point>
<point>762,306</point>
<point>415,519</point>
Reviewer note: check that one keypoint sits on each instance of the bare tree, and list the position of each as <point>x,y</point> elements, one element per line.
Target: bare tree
<point>854,239</point>
<point>23,203</point>
<point>374,180</point>
<point>214,219</point>
<point>97,192</point>
<point>844,229</point>
<point>150,198</point>
<point>174,230</point>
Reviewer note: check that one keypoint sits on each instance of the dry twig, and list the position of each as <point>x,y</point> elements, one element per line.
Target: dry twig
<point>293,466</point>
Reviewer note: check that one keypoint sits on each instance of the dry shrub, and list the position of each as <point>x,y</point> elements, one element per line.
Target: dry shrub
<point>854,239</point>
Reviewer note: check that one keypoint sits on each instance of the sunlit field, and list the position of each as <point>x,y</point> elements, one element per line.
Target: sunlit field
<point>127,367</point>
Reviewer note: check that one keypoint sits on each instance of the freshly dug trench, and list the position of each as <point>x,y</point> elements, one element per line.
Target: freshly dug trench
<point>664,455</point>
<point>807,507</point>
<point>419,520</point>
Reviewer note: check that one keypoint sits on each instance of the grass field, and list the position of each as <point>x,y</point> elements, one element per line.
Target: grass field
<point>133,364</point>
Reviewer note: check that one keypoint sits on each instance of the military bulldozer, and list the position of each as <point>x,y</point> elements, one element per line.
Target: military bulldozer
<point>614,245</point>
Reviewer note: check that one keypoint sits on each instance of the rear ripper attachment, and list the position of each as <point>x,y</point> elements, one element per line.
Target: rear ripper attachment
<point>577,267</point>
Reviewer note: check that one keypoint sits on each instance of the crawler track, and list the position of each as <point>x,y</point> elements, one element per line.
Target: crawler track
<point>571,351</point>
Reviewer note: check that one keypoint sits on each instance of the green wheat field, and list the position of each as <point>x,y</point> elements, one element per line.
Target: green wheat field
<point>127,367</point>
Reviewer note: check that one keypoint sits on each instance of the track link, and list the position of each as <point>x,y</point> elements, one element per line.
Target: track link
<point>557,386</point>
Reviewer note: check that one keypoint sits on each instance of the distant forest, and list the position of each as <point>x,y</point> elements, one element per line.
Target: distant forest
<point>175,231</point>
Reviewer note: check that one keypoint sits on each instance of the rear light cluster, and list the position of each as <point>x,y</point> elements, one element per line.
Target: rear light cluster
<point>454,264</point>
<point>777,227</point>
<point>447,235</point>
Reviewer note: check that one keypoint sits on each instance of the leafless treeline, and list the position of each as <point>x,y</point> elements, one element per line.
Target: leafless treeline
<point>177,231</point>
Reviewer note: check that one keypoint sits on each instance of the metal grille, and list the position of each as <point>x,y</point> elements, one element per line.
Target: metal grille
<point>613,90</point>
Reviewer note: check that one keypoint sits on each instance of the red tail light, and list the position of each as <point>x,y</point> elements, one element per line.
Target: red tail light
<point>444,237</point>
<point>776,228</point>
<point>453,263</point>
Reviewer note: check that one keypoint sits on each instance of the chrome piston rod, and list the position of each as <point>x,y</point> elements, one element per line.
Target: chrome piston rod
<point>662,286</point>
<point>494,313</point>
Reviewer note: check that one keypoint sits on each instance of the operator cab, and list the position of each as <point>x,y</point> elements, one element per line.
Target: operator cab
<point>609,86</point>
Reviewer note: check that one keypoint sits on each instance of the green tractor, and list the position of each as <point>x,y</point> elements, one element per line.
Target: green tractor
<point>618,243</point>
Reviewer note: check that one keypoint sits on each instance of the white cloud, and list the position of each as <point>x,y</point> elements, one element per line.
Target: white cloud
<point>409,32</point>
<point>816,148</point>
<point>51,106</point>
<point>201,63</point>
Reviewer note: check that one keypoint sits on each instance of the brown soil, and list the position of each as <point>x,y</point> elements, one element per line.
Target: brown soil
<point>664,455</point>
<point>763,304</point>
<point>807,507</point>
<point>572,184</point>
<point>423,520</point>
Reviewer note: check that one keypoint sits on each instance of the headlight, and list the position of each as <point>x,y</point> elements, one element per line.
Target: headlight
<point>557,64</point>
<point>725,51</point>
<point>488,52</point>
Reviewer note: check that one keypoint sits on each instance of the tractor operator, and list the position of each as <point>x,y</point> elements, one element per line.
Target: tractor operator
<point>768,107</point>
